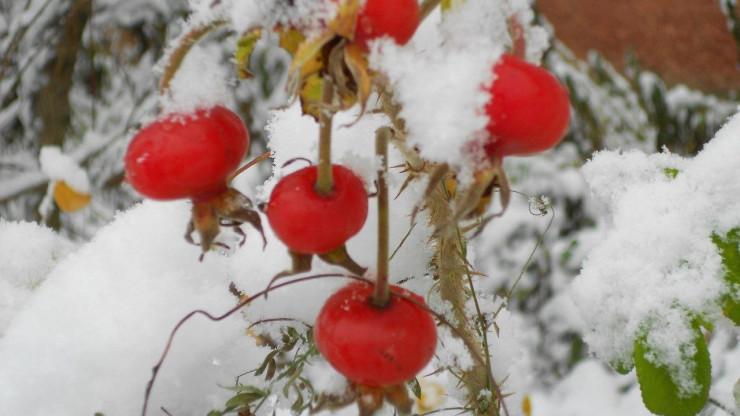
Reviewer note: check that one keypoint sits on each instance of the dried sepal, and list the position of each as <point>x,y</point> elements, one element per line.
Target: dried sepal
<point>228,208</point>
<point>306,60</point>
<point>340,257</point>
<point>357,64</point>
<point>346,20</point>
<point>398,396</point>
<point>369,400</point>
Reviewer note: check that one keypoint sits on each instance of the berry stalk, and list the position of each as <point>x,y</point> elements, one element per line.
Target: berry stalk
<point>325,181</point>
<point>381,295</point>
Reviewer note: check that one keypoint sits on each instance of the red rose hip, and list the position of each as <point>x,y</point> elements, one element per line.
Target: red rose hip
<point>529,110</point>
<point>311,223</point>
<point>375,346</point>
<point>186,155</point>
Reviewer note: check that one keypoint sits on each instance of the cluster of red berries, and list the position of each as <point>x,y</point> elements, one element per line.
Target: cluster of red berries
<point>192,155</point>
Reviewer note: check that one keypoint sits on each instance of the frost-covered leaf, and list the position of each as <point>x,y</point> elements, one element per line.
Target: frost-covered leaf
<point>661,392</point>
<point>729,248</point>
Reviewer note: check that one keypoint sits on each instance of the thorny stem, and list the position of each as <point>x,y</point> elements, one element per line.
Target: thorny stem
<point>381,294</point>
<point>470,346</point>
<point>249,164</point>
<point>178,55</point>
<point>481,318</point>
<point>450,272</point>
<point>325,181</point>
<point>450,268</point>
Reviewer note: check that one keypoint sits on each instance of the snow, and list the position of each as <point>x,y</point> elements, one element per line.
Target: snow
<point>191,90</point>
<point>60,167</point>
<point>28,253</point>
<point>435,104</point>
<point>657,267</point>
<point>103,315</point>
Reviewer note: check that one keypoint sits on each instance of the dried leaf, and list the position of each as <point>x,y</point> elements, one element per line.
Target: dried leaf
<point>345,22</point>
<point>527,406</point>
<point>244,49</point>
<point>68,199</point>
<point>290,39</point>
<point>310,96</point>
<point>358,66</point>
<point>305,59</point>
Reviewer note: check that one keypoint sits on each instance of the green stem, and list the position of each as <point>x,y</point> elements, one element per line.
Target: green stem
<point>381,295</point>
<point>507,298</point>
<point>325,180</point>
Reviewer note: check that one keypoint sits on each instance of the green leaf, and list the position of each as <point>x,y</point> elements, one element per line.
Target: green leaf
<point>271,367</point>
<point>244,49</point>
<point>671,173</point>
<point>246,389</point>
<point>415,387</point>
<point>729,249</point>
<point>623,367</point>
<point>243,400</point>
<point>270,357</point>
<point>660,392</point>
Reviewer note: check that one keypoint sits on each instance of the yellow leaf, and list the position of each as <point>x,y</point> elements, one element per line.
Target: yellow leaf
<point>432,396</point>
<point>306,56</point>
<point>311,96</point>
<point>451,5</point>
<point>290,39</point>
<point>527,406</point>
<point>68,199</point>
<point>244,49</point>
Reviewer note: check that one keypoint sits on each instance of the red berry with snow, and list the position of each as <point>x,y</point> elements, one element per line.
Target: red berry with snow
<point>311,223</point>
<point>529,110</point>
<point>375,346</point>
<point>186,155</point>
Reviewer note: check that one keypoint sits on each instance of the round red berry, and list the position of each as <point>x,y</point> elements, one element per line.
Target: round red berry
<point>311,223</point>
<point>186,155</point>
<point>375,346</point>
<point>529,110</point>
